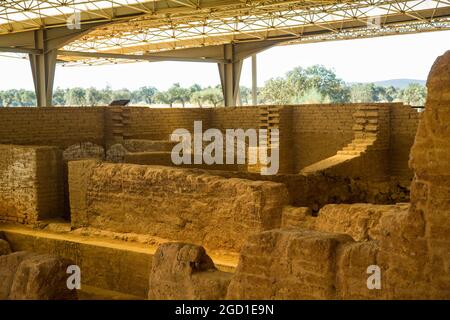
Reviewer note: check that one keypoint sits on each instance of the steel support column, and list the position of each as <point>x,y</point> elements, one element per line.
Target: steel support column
<point>254,80</point>
<point>230,75</point>
<point>42,47</point>
<point>43,70</point>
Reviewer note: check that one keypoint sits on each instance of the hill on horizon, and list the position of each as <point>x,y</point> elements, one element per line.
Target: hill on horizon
<point>398,83</point>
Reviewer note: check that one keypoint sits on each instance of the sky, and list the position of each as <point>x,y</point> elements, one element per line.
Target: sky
<point>362,60</point>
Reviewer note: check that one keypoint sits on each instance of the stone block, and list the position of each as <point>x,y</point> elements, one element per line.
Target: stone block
<point>287,264</point>
<point>185,272</point>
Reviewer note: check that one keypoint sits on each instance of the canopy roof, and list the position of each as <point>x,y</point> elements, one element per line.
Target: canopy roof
<point>140,27</point>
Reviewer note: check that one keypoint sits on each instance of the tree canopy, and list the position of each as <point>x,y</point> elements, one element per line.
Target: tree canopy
<point>314,84</point>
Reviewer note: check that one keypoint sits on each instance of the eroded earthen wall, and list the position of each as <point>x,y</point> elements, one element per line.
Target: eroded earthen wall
<point>159,123</point>
<point>319,131</point>
<point>417,244</point>
<point>409,244</point>
<point>171,203</point>
<point>240,117</point>
<point>30,183</point>
<point>404,123</point>
<point>53,126</point>
<point>313,132</point>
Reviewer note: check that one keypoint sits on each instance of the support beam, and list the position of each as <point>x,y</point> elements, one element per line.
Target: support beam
<point>20,50</point>
<point>41,46</point>
<point>144,57</point>
<point>230,75</point>
<point>43,70</point>
<point>254,80</point>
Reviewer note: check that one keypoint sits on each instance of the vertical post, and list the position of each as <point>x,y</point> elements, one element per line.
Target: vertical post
<point>254,81</point>
<point>228,79</point>
<point>43,70</point>
<point>230,74</point>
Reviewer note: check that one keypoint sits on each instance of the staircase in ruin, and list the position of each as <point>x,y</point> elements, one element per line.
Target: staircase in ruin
<point>366,138</point>
<point>269,119</point>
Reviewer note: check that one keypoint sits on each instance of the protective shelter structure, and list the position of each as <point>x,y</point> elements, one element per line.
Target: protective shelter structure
<point>213,31</point>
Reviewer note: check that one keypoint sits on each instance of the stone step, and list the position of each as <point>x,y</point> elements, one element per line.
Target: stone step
<point>327,163</point>
<point>348,152</point>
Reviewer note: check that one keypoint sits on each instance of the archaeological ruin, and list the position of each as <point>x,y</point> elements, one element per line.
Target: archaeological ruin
<point>361,189</point>
<point>323,201</point>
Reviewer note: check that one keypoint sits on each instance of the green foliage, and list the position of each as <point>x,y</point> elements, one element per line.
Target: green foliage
<point>75,97</point>
<point>145,94</point>
<point>362,92</point>
<point>326,83</point>
<point>313,96</point>
<point>314,84</point>
<point>246,95</point>
<point>176,93</point>
<point>164,97</point>
<point>415,94</point>
<point>317,84</point>
<point>17,98</point>
<point>278,91</point>
<point>208,96</point>
<point>213,96</point>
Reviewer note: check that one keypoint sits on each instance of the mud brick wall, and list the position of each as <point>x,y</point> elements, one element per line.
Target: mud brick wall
<point>417,245</point>
<point>51,126</point>
<point>158,124</point>
<point>361,221</point>
<point>229,118</point>
<point>319,131</point>
<point>310,132</point>
<point>30,183</point>
<point>404,123</point>
<point>208,210</point>
<point>287,264</point>
<point>287,140</point>
<point>372,131</point>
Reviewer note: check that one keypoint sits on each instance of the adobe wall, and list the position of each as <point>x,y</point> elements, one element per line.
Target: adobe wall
<point>30,183</point>
<point>309,132</point>
<point>53,126</point>
<point>418,252</point>
<point>408,243</point>
<point>382,137</point>
<point>315,191</point>
<point>367,155</point>
<point>319,131</point>
<point>404,122</point>
<point>171,203</point>
<point>240,117</point>
<point>159,123</point>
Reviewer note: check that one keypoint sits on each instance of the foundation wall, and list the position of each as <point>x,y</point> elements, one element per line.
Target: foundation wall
<point>30,183</point>
<point>173,204</point>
